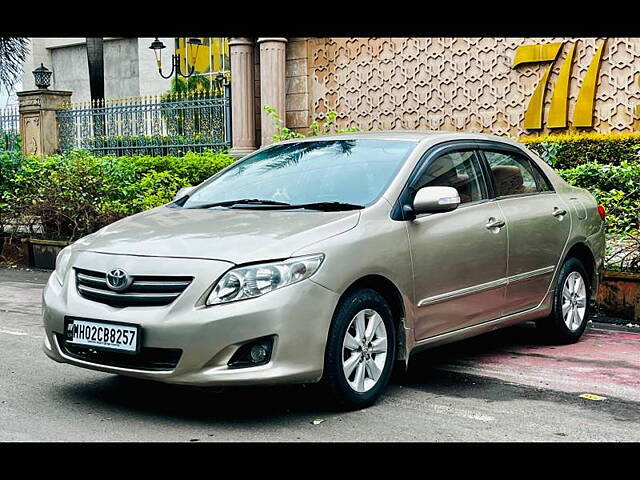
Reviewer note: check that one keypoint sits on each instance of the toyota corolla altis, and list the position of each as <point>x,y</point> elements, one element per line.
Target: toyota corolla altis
<point>330,259</point>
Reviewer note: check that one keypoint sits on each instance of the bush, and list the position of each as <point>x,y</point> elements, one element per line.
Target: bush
<point>569,151</point>
<point>9,165</point>
<point>616,187</point>
<point>65,197</point>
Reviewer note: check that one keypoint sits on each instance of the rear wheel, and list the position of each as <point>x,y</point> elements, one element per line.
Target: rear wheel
<point>570,312</point>
<point>360,350</point>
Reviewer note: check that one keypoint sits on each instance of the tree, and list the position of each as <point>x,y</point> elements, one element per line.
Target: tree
<point>13,52</point>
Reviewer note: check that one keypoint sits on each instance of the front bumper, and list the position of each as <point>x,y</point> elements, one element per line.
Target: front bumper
<point>297,316</point>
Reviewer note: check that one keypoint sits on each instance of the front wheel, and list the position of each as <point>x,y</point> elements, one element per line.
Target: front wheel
<point>360,350</point>
<point>570,313</point>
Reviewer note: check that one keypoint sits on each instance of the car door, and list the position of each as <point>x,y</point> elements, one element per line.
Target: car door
<point>459,257</point>
<point>538,224</point>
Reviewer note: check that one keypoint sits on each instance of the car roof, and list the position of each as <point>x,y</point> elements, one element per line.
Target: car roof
<point>411,135</point>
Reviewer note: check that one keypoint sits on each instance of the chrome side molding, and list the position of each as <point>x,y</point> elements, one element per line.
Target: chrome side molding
<point>485,286</point>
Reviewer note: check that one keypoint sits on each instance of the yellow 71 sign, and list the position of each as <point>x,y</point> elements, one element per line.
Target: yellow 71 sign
<point>583,114</point>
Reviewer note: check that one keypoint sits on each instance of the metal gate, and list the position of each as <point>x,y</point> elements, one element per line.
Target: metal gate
<point>169,124</point>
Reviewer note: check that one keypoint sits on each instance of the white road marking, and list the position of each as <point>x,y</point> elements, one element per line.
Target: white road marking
<point>439,409</point>
<point>461,413</point>
<point>19,334</point>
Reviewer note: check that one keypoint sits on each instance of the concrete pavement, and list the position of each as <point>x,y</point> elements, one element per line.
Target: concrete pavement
<point>503,386</point>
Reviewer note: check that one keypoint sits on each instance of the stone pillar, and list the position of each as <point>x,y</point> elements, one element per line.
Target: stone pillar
<point>272,83</point>
<point>243,119</point>
<point>38,123</point>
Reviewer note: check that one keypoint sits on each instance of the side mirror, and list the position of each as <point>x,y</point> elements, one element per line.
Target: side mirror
<point>436,199</point>
<point>182,192</point>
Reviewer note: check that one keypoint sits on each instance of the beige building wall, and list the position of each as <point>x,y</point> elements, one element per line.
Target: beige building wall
<point>451,83</point>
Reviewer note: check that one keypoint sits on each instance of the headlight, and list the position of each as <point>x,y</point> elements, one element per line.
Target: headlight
<point>62,264</point>
<point>256,280</point>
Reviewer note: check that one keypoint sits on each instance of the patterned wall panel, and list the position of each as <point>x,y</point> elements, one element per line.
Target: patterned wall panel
<point>462,83</point>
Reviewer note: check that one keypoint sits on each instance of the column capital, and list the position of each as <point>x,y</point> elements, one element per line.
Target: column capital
<point>32,100</point>
<point>237,41</point>
<point>272,39</point>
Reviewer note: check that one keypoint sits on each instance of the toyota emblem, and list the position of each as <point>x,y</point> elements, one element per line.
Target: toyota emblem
<point>118,280</point>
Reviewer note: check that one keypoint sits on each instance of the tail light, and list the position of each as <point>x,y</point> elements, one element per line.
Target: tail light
<point>601,212</point>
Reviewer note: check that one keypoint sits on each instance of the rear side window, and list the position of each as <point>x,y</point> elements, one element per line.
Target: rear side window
<point>543,182</point>
<point>513,174</point>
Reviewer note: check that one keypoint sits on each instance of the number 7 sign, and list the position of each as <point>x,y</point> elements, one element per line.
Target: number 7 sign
<point>583,114</point>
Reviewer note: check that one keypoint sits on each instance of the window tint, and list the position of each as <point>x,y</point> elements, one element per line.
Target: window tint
<point>459,170</point>
<point>513,174</point>
<point>543,183</point>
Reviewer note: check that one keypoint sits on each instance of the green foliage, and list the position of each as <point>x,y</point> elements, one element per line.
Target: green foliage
<point>281,133</point>
<point>199,84</point>
<point>616,187</point>
<point>318,127</point>
<point>9,166</point>
<point>10,141</point>
<point>568,151</point>
<point>64,197</point>
<point>329,125</point>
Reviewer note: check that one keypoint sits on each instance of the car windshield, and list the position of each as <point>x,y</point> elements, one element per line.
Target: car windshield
<point>334,172</point>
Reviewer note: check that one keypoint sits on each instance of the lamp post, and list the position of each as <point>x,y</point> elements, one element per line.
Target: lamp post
<point>176,67</point>
<point>42,77</point>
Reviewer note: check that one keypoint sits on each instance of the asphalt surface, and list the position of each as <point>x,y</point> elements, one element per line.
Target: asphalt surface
<point>444,397</point>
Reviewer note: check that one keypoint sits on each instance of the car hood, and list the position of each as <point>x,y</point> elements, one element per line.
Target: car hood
<point>236,236</point>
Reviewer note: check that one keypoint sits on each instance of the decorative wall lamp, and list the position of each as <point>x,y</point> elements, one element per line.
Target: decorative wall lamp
<point>193,44</point>
<point>42,77</point>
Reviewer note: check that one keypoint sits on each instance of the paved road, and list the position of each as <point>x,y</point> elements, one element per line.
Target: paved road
<point>478,390</point>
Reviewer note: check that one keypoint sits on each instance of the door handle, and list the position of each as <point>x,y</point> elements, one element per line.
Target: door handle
<point>559,212</point>
<point>493,224</point>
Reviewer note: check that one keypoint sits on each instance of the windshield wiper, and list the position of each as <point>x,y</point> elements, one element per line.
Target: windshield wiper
<point>241,201</point>
<point>329,206</point>
<point>255,202</point>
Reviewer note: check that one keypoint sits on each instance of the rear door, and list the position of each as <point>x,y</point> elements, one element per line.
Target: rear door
<point>538,224</point>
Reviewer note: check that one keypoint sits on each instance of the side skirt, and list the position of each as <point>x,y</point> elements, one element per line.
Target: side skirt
<point>538,311</point>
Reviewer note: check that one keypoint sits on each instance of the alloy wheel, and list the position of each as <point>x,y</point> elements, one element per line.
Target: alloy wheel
<point>574,301</point>
<point>364,350</point>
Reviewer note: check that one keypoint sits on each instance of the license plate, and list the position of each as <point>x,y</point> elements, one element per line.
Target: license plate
<point>113,336</point>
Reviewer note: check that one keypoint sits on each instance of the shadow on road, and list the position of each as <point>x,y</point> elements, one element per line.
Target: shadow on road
<point>519,336</point>
<point>269,404</point>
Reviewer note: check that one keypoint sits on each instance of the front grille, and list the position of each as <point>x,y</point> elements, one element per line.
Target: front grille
<point>144,291</point>
<point>153,359</point>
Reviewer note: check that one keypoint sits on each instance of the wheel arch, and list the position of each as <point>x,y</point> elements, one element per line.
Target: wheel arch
<point>582,252</point>
<point>394,298</point>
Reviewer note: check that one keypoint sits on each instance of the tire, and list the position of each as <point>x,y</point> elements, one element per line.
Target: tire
<point>360,388</point>
<point>555,327</point>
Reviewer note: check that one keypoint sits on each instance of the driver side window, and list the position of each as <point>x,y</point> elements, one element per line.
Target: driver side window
<point>460,170</point>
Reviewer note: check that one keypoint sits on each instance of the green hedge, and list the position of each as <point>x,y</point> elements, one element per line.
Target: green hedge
<point>616,187</point>
<point>76,194</point>
<point>568,151</point>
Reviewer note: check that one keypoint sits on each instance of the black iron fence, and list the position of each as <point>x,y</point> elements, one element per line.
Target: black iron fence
<point>9,129</point>
<point>170,124</point>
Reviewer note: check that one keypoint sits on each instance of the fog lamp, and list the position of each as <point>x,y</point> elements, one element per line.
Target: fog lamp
<point>258,353</point>
<point>253,353</point>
